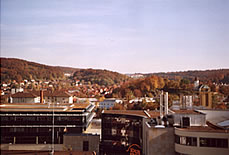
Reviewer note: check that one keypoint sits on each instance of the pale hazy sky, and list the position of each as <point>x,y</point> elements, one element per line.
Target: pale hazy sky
<point>127,36</point>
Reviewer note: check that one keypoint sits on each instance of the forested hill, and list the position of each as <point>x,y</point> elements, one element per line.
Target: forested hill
<point>101,77</point>
<point>217,76</point>
<point>18,69</point>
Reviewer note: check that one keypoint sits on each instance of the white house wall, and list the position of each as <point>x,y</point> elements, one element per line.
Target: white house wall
<point>25,100</point>
<point>195,120</point>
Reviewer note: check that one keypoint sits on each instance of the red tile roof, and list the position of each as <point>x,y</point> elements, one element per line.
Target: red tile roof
<point>24,95</point>
<point>33,94</point>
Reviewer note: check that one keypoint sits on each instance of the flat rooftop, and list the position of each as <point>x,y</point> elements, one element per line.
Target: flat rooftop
<point>39,107</point>
<point>26,152</point>
<point>202,129</point>
<point>187,112</point>
<point>141,113</point>
<point>148,114</point>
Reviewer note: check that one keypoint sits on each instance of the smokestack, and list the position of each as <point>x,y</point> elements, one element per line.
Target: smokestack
<point>161,104</point>
<point>41,96</point>
<point>166,103</point>
<point>184,102</point>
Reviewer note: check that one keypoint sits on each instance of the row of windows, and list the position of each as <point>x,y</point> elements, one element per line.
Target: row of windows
<point>204,142</point>
<point>56,98</point>
<point>190,141</point>
<point>40,118</point>
<point>214,142</point>
<point>31,140</point>
<point>30,130</point>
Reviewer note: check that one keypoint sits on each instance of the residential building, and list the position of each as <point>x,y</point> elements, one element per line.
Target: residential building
<point>25,97</point>
<point>109,103</point>
<point>47,97</point>
<point>57,97</point>
<point>146,99</point>
<point>16,90</point>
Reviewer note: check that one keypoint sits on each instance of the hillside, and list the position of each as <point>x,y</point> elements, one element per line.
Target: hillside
<point>17,69</point>
<point>101,77</point>
<point>217,76</point>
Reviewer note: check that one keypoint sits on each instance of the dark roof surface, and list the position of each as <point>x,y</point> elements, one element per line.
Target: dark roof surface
<point>203,129</point>
<point>141,113</point>
<point>187,112</point>
<point>25,152</point>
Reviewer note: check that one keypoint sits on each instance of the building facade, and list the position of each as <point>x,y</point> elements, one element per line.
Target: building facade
<point>109,103</point>
<point>147,132</point>
<point>201,140</point>
<point>58,97</point>
<point>205,96</point>
<point>123,131</point>
<point>36,123</point>
<point>25,97</point>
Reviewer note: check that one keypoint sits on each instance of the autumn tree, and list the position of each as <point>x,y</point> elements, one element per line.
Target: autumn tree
<point>118,106</point>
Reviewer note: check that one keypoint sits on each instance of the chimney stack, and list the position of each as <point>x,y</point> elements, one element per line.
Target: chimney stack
<point>41,96</point>
<point>164,106</point>
<point>161,104</point>
<point>166,103</point>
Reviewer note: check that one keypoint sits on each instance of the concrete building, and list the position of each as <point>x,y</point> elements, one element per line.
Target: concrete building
<point>123,131</point>
<point>201,140</point>
<point>44,124</point>
<point>82,142</point>
<point>165,132</point>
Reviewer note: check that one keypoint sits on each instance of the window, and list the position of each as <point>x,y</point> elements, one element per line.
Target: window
<point>85,146</point>
<point>20,129</point>
<point>206,100</point>
<point>4,118</point>
<point>177,139</point>
<point>114,131</point>
<point>186,121</point>
<point>189,141</point>
<point>183,140</point>
<point>214,142</point>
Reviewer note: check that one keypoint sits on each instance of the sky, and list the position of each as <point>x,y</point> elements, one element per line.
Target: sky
<point>127,36</point>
